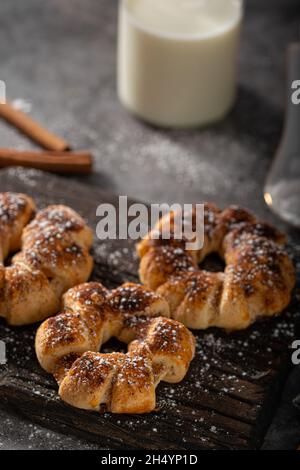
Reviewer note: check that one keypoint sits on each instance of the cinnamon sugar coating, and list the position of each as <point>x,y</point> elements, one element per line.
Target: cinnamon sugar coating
<point>68,345</point>
<point>53,256</point>
<point>257,281</point>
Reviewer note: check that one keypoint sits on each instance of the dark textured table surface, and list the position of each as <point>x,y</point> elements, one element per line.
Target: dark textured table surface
<point>59,58</point>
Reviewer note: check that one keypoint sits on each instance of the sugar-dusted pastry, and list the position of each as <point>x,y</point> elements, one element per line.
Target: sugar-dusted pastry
<point>68,346</point>
<point>53,256</point>
<point>257,281</point>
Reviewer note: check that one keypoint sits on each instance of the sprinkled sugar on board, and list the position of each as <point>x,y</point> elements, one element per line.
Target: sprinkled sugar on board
<point>228,397</point>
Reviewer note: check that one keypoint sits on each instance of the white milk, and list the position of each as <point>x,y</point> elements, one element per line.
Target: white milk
<point>177,59</point>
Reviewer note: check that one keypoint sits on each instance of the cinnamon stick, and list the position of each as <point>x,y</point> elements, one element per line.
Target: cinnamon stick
<point>55,162</point>
<point>31,128</point>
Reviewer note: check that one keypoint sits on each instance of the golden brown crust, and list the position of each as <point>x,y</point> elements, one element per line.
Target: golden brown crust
<point>16,210</point>
<point>257,281</point>
<point>54,256</point>
<point>169,223</point>
<point>159,348</point>
<point>162,262</point>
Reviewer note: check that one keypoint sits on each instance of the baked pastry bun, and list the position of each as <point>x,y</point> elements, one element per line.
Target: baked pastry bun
<point>68,346</point>
<point>257,280</point>
<point>53,256</point>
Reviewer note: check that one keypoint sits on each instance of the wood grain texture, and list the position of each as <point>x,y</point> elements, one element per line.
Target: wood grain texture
<point>228,397</point>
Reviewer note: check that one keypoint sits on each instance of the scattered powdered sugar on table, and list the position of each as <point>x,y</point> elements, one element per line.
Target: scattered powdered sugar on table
<point>31,436</point>
<point>22,105</point>
<point>223,366</point>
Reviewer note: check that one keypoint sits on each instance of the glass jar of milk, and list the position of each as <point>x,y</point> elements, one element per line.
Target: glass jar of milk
<point>177,59</point>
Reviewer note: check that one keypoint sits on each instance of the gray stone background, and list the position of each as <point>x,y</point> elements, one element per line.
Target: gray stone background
<point>59,57</point>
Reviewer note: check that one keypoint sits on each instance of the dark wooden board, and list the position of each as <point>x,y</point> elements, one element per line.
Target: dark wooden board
<point>228,397</point>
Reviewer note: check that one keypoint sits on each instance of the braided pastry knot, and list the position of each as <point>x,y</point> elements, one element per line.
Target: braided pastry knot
<point>54,256</point>
<point>159,348</point>
<point>257,281</point>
